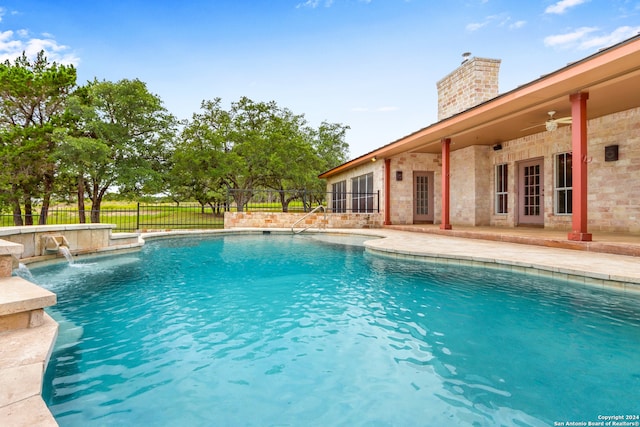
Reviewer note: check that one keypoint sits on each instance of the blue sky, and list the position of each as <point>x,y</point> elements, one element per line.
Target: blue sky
<point>369,64</point>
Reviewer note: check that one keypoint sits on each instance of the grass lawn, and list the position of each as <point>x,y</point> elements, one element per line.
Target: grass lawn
<point>127,217</point>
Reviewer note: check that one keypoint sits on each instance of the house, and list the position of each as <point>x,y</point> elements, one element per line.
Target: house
<point>561,152</point>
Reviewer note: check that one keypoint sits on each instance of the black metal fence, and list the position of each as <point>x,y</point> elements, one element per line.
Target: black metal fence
<point>179,216</point>
<point>300,201</point>
<point>147,216</point>
<point>125,219</point>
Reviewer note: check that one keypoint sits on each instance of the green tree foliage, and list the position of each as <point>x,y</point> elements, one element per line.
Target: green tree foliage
<point>32,101</point>
<point>60,140</point>
<point>202,157</point>
<point>121,137</point>
<point>253,145</point>
<point>330,147</point>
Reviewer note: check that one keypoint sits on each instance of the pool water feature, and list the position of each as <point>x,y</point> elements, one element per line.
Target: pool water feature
<point>291,330</point>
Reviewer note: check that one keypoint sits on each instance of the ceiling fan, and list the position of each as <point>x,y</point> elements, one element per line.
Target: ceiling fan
<point>552,124</point>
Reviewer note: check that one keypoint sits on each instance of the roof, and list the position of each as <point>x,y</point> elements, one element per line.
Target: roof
<point>611,77</point>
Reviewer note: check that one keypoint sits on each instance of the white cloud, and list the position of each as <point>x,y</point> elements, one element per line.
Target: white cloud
<point>518,24</point>
<point>327,3</point>
<point>568,38</point>
<point>12,44</point>
<point>315,3</point>
<point>6,35</point>
<point>584,38</point>
<point>616,36</point>
<point>501,20</point>
<point>474,26</point>
<point>309,3</point>
<point>562,6</point>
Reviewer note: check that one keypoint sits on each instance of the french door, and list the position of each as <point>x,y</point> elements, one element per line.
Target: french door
<point>422,197</point>
<point>531,192</point>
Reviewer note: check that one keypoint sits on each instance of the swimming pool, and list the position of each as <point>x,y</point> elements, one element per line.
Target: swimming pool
<point>297,330</point>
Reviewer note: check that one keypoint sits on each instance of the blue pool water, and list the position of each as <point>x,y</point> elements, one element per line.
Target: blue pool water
<point>267,330</point>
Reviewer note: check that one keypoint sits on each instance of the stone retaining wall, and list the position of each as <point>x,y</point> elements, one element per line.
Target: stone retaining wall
<point>315,220</point>
<point>80,239</point>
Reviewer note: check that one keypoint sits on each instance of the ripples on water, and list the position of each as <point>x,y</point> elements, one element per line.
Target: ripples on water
<point>279,330</point>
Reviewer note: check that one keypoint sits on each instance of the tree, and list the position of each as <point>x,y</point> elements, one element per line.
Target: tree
<point>199,163</point>
<point>33,97</point>
<point>253,145</point>
<point>331,150</point>
<point>122,136</point>
<point>330,145</point>
<point>291,158</point>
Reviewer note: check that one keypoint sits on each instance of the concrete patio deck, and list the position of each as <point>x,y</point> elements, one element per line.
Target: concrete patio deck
<point>603,242</point>
<point>612,263</point>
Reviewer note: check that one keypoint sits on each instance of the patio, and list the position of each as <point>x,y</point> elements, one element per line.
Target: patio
<point>603,242</point>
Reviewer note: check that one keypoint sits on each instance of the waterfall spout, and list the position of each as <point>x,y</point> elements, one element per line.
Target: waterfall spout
<point>67,254</point>
<point>24,272</point>
<point>51,243</point>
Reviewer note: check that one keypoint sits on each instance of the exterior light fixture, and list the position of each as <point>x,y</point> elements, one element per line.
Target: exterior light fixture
<point>374,159</point>
<point>610,153</point>
<point>551,125</point>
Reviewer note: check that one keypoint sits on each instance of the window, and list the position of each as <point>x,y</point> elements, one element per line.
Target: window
<point>339,197</point>
<point>564,183</point>
<point>502,174</point>
<point>362,193</point>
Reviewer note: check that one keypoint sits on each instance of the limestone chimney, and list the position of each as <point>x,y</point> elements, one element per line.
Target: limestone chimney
<point>472,83</point>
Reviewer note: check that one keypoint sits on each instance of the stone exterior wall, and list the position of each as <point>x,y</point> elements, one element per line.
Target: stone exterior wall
<point>313,221</point>
<point>473,83</point>
<point>402,191</point>
<point>470,183</point>
<point>614,193</point>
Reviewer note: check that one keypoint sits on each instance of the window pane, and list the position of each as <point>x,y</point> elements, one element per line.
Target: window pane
<point>339,197</point>
<point>369,181</point>
<point>563,183</point>
<point>501,188</point>
<point>560,171</point>
<point>569,170</point>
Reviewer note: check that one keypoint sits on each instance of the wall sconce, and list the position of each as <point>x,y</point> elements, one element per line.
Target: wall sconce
<point>374,159</point>
<point>611,153</point>
<point>497,147</point>
<point>398,175</point>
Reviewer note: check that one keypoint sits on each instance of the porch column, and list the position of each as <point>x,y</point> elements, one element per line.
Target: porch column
<point>446,149</point>
<point>579,167</point>
<point>387,191</point>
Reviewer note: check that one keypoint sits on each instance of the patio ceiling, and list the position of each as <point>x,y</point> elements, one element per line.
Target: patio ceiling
<point>611,77</point>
